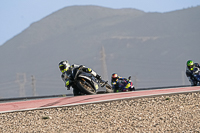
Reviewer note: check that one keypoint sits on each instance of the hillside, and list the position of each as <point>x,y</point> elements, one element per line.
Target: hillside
<point>151,47</point>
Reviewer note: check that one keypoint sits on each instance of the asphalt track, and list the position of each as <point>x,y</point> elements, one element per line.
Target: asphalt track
<point>86,99</point>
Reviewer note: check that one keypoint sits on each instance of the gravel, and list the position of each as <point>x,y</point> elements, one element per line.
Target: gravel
<point>168,113</point>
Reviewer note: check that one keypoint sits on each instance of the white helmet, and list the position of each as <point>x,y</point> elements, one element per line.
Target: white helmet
<point>64,66</point>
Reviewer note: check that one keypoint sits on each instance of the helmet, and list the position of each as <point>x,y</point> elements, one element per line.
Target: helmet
<point>114,77</point>
<point>64,66</point>
<point>190,64</point>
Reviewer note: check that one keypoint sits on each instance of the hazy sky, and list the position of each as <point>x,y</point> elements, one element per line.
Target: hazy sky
<point>17,15</point>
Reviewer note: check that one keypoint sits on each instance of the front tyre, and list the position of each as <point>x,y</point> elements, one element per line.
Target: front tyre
<point>85,86</point>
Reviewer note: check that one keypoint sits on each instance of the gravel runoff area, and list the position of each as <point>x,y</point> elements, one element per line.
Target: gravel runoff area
<point>167,113</point>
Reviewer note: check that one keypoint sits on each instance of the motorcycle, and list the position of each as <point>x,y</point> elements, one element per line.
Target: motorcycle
<point>86,83</point>
<point>196,76</point>
<point>123,85</point>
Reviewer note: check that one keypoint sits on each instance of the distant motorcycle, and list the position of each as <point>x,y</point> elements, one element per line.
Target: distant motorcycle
<point>196,76</point>
<point>86,83</point>
<point>123,85</point>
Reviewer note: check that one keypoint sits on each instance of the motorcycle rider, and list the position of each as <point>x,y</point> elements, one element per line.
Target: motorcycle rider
<point>115,83</point>
<point>189,71</point>
<point>67,71</point>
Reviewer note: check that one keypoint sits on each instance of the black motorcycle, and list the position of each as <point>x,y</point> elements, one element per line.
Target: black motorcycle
<point>196,76</point>
<point>86,83</point>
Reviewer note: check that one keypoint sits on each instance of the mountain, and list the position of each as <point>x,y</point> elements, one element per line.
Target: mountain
<point>151,47</point>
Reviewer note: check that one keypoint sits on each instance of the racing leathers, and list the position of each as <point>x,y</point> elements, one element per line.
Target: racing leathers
<point>67,76</point>
<point>189,74</point>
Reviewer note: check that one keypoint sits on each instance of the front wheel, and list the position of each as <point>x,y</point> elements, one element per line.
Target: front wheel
<point>85,86</point>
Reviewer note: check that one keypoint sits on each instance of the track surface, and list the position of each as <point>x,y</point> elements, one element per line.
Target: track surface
<point>67,101</point>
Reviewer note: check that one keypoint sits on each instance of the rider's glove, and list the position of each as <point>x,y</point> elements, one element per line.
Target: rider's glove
<point>98,76</point>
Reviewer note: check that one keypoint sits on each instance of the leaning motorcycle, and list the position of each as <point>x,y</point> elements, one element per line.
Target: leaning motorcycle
<point>86,83</point>
<point>196,76</point>
<point>124,85</point>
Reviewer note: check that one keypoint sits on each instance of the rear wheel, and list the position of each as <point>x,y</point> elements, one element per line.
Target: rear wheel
<point>85,86</point>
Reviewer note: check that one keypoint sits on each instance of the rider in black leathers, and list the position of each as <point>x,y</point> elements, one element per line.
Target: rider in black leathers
<point>189,71</point>
<point>67,77</point>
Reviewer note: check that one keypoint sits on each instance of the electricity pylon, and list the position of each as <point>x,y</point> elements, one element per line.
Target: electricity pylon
<point>33,85</point>
<point>21,80</point>
<point>104,66</point>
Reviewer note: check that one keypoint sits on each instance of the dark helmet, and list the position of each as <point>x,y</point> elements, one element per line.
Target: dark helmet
<point>190,64</point>
<point>114,77</point>
<point>64,66</point>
